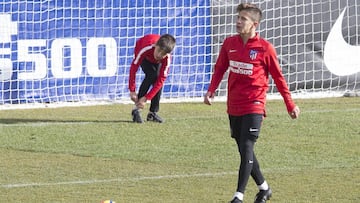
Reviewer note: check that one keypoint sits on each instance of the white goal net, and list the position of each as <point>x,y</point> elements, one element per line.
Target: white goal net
<point>70,51</point>
<point>314,64</point>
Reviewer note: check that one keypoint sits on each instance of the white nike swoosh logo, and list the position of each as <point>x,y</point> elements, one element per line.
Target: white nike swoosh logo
<point>341,58</point>
<point>253,129</point>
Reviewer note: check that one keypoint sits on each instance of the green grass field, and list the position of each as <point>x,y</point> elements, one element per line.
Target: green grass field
<point>94,153</point>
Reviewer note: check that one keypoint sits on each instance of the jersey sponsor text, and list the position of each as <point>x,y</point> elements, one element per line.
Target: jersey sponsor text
<point>241,67</point>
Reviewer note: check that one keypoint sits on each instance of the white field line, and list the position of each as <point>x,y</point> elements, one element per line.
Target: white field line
<point>143,178</point>
<point>87,182</point>
<point>44,123</point>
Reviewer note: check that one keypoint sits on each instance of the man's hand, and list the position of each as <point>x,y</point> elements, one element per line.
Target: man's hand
<point>295,112</point>
<point>133,96</point>
<point>141,102</point>
<point>208,97</point>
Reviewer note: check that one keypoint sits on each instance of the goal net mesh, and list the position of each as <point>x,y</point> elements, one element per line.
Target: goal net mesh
<point>71,51</point>
<point>299,31</point>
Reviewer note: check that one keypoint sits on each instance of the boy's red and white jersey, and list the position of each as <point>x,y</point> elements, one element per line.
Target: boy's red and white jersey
<point>144,49</point>
<point>249,66</point>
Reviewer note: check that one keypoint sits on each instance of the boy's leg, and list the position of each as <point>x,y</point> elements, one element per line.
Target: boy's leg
<point>151,74</point>
<point>154,108</point>
<point>151,71</point>
<point>249,133</point>
<point>245,130</point>
<point>155,102</point>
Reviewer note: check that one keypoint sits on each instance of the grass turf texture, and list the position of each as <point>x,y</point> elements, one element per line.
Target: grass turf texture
<point>93,153</point>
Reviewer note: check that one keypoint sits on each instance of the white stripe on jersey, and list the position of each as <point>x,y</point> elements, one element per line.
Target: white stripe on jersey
<point>141,52</point>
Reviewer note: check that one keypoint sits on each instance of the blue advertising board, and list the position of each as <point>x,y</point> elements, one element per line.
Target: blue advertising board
<point>54,51</point>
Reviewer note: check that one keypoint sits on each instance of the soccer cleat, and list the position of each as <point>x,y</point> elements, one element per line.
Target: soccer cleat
<point>152,116</point>
<point>136,116</point>
<point>236,200</point>
<point>262,196</point>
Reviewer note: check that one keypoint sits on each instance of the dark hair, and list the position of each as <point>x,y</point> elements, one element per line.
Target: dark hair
<point>257,13</point>
<point>166,43</point>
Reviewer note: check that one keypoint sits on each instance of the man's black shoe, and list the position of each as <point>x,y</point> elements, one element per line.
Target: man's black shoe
<point>263,195</point>
<point>136,116</point>
<point>152,116</point>
<point>236,200</point>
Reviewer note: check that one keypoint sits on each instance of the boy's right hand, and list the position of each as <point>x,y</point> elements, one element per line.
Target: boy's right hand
<point>133,96</point>
<point>208,97</point>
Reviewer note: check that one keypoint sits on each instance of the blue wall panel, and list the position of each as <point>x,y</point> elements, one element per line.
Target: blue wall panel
<point>50,22</point>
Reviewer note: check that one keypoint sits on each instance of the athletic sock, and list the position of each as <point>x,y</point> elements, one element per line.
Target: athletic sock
<point>239,195</point>
<point>263,186</point>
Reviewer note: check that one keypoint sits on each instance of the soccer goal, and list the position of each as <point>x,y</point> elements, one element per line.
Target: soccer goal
<point>80,51</point>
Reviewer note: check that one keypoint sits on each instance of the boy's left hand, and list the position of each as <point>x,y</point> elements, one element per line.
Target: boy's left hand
<point>141,103</point>
<point>295,112</point>
<point>133,96</point>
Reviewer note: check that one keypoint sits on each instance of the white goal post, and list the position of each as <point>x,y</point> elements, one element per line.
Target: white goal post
<point>80,51</point>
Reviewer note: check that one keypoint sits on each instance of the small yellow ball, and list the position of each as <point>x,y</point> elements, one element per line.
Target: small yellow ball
<point>108,201</point>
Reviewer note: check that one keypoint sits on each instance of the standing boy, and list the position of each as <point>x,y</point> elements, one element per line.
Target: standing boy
<point>249,59</point>
<point>152,53</point>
